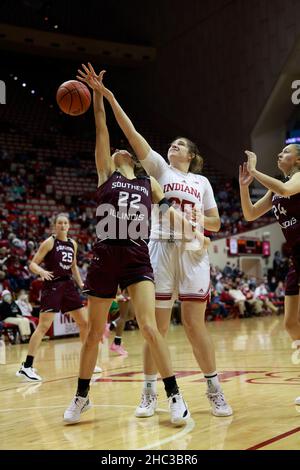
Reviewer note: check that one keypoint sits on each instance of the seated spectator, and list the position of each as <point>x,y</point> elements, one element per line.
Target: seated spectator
<point>280,291</point>
<point>239,299</point>
<point>261,293</point>
<point>11,313</point>
<point>218,307</point>
<point>253,306</point>
<point>272,284</point>
<point>26,309</point>
<point>227,270</point>
<point>225,297</point>
<point>219,286</point>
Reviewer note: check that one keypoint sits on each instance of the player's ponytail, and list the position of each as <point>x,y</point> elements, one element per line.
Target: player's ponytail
<point>196,164</point>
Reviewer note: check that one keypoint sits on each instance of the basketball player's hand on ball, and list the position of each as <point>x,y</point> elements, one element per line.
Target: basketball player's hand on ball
<point>46,275</point>
<point>252,160</point>
<point>94,81</point>
<point>245,178</point>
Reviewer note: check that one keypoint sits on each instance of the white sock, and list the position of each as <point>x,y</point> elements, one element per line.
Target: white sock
<point>150,384</point>
<point>212,381</point>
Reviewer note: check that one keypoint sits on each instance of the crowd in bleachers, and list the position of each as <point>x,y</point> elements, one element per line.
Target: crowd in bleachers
<point>234,294</point>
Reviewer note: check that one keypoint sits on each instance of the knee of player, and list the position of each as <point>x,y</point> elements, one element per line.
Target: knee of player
<point>82,324</point>
<point>94,337</point>
<point>149,332</point>
<point>163,329</point>
<point>43,327</point>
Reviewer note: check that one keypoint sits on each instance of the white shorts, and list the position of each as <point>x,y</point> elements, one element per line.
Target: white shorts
<point>178,273</point>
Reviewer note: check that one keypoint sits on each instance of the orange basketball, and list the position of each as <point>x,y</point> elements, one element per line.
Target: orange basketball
<point>73,97</point>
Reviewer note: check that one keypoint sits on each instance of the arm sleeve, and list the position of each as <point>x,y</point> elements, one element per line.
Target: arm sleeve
<point>154,164</point>
<point>208,198</point>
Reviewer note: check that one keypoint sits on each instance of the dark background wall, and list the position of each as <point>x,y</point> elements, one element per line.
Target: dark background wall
<point>216,69</point>
<point>217,60</point>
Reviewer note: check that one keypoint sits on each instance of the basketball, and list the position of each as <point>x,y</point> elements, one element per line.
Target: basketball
<point>73,97</point>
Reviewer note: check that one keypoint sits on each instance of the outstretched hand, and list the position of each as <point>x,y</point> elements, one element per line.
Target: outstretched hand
<point>245,178</point>
<point>94,81</point>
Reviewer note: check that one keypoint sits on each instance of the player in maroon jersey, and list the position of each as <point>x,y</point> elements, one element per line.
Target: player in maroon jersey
<point>59,293</point>
<point>121,258</point>
<point>284,199</point>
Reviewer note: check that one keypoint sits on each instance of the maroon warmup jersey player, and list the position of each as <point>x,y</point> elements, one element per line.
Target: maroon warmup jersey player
<point>121,258</point>
<point>284,199</point>
<point>59,294</point>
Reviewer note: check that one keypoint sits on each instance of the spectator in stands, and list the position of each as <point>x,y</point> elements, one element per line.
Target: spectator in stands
<point>26,309</point>
<point>253,305</point>
<point>239,298</point>
<point>227,271</point>
<point>262,293</point>
<point>219,286</point>
<point>218,308</point>
<point>11,313</point>
<point>280,291</point>
<point>272,284</point>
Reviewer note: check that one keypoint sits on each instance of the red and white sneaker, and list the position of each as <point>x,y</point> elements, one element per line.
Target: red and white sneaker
<point>219,406</point>
<point>118,348</point>
<point>147,405</point>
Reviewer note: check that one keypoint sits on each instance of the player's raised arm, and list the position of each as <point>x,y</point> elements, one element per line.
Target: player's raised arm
<point>136,140</point>
<point>262,206</point>
<point>102,151</point>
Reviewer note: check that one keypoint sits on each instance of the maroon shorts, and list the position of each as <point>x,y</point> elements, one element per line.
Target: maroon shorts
<point>293,279</point>
<point>60,296</point>
<point>116,265</point>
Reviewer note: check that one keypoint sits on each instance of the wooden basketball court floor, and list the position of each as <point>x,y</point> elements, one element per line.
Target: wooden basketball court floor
<point>259,375</point>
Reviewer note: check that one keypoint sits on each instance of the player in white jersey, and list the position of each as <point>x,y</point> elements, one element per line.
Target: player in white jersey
<point>179,272</point>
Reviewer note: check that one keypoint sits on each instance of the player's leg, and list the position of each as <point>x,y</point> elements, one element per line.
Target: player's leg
<point>80,318</point>
<point>193,319</point>
<point>148,403</point>
<point>291,304</point>
<point>97,310</point>
<point>194,287</point>
<point>163,256</point>
<point>143,299</point>
<point>292,316</point>
<point>292,324</point>
<point>26,370</point>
